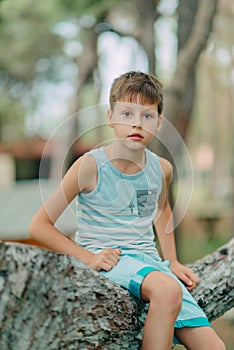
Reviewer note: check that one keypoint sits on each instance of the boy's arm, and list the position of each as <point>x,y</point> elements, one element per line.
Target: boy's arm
<point>165,230</point>
<point>80,177</point>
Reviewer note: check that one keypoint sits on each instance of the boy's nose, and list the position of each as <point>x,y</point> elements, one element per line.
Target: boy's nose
<point>136,121</point>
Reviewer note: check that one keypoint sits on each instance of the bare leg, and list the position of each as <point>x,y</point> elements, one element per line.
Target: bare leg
<point>199,338</point>
<point>165,296</point>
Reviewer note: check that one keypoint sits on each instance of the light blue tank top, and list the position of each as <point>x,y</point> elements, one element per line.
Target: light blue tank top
<point>119,212</point>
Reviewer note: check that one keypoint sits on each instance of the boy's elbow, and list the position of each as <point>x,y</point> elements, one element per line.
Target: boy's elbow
<point>38,227</point>
<point>32,229</point>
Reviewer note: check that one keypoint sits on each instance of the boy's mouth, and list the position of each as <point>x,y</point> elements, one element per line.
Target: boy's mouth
<point>136,137</point>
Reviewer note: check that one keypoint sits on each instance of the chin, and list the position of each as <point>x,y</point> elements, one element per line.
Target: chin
<point>134,145</point>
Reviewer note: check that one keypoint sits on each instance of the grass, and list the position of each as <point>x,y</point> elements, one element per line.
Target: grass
<point>192,247</point>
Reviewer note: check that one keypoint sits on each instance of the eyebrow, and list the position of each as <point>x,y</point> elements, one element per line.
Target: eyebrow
<point>131,105</point>
<point>150,110</point>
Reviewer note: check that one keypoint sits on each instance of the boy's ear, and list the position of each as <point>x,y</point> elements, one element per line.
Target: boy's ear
<point>109,117</point>
<point>160,119</point>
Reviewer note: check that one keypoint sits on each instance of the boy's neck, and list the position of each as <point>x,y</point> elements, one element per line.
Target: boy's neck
<point>130,162</point>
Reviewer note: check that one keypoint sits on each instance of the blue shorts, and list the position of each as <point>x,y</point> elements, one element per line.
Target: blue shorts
<point>132,269</point>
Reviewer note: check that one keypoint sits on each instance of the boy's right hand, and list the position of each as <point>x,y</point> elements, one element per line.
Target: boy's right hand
<point>105,260</point>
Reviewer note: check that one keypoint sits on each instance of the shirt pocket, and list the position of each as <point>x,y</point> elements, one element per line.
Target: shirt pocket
<point>147,201</point>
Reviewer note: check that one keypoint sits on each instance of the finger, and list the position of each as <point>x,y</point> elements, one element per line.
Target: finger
<point>193,277</point>
<point>108,258</point>
<point>115,258</point>
<point>191,273</point>
<point>104,263</point>
<point>109,252</point>
<point>186,280</point>
<point>106,267</point>
<point>188,283</point>
<point>108,262</point>
<point>112,261</point>
<point>191,285</point>
<point>112,256</point>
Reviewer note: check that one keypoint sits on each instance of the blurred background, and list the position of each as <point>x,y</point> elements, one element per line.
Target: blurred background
<point>58,59</point>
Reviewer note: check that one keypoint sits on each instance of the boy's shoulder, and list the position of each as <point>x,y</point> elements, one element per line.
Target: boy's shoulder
<point>167,169</point>
<point>85,169</point>
<point>164,163</point>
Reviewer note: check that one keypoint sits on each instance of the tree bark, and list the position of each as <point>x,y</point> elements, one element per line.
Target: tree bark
<point>53,301</point>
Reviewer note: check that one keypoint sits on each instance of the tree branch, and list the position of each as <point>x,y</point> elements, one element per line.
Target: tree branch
<point>53,301</point>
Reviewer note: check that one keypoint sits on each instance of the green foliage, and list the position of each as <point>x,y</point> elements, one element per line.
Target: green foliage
<point>11,118</point>
<point>31,51</point>
<point>26,36</point>
<point>91,7</point>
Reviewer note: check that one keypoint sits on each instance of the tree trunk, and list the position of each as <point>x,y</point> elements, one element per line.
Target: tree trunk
<point>176,110</point>
<point>53,301</point>
<point>148,14</point>
<point>188,56</point>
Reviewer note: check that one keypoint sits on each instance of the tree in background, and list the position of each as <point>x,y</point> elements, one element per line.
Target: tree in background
<point>32,52</point>
<point>38,52</point>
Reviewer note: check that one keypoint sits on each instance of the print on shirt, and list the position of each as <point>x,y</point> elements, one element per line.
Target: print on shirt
<point>146,201</point>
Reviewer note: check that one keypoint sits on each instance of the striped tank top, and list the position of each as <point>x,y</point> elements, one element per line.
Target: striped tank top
<point>119,212</point>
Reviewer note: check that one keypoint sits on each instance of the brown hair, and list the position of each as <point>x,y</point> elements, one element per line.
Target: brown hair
<point>133,86</point>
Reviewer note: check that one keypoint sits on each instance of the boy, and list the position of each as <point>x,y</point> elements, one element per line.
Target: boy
<point>122,190</point>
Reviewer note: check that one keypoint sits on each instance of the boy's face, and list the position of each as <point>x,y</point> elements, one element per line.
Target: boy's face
<point>135,123</point>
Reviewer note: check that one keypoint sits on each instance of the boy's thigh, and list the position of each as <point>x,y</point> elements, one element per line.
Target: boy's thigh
<point>130,273</point>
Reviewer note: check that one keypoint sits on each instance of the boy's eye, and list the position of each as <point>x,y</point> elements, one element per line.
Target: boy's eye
<point>126,114</point>
<point>148,116</point>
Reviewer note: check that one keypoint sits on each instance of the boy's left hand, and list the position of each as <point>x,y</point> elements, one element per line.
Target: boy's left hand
<point>185,274</point>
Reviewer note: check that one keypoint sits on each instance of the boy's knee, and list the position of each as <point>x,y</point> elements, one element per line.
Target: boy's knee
<point>172,296</point>
<point>220,345</point>
<point>162,291</point>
